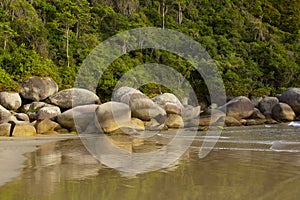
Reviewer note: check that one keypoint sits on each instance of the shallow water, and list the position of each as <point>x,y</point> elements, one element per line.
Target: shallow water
<point>246,163</point>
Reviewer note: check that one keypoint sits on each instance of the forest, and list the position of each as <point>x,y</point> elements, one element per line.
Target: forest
<point>254,43</point>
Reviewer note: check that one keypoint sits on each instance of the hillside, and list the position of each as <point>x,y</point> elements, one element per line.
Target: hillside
<point>255,43</point>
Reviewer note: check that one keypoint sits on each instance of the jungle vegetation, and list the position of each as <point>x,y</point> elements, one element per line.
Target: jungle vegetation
<point>254,43</point>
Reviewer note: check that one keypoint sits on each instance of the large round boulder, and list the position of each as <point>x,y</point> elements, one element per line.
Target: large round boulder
<point>283,112</point>
<point>37,89</point>
<point>123,94</point>
<point>5,129</point>
<point>174,121</point>
<point>72,97</point>
<point>257,114</point>
<point>113,116</point>
<point>48,112</point>
<point>4,113</point>
<point>81,116</point>
<point>24,129</point>
<point>232,121</point>
<point>266,105</point>
<point>292,98</point>
<point>239,107</point>
<point>172,108</point>
<point>36,106</point>
<point>144,108</point>
<point>46,125</point>
<point>10,100</point>
<point>165,98</point>
<point>191,112</point>
<point>22,117</point>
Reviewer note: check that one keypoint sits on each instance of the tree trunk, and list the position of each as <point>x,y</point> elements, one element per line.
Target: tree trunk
<point>5,42</point>
<point>163,14</point>
<point>67,45</point>
<point>124,48</point>
<point>77,29</point>
<point>179,14</point>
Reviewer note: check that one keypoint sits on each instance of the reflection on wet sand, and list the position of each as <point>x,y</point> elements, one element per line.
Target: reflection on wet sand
<point>242,166</point>
<point>70,160</point>
<point>135,155</point>
<point>56,161</point>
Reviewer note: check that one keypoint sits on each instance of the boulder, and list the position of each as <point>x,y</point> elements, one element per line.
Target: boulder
<point>32,123</point>
<point>243,121</point>
<point>36,106</point>
<point>33,108</point>
<point>24,108</point>
<point>73,97</point>
<point>271,121</point>
<point>24,130</point>
<point>164,98</point>
<point>46,125</point>
<point>239,108</point>
<point>257,114</point>
<point>292,98</point>
<point>156,128</point>
<point>113,116</point>
<point>266,105</point>
<point>50,133</point>
<point>9,118</point>
<point>48,112</point>
<point>210,116</point>
<point>153,125</point>
<point>231,121</point>
<point>81,115</point>
<point>5,129</point>
<point>252,122</point>
<point>195,122</point>
<point>11,101</point>
<point>32,116</point>
<point>172,108</point>
<point>4,113</point>
<point>144,108</point>
<point>207,120</point>
<point>62,131</point>
<point>256,100</point>
<point>283,112</point>
<point>37,89</point>
<point>174,121</point>
<point>213,106</point>
<point>190,112</point>
<point>138,122</point>
<point>123,94</point>
<point>22,117</point>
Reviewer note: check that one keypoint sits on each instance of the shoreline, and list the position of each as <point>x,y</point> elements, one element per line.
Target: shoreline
<point>80,110</point>
<point>13,150</point>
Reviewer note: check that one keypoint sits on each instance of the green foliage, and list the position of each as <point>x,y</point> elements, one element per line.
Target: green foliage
<point>255,44</point>
<point>6,82</point>
<point>23,63</point>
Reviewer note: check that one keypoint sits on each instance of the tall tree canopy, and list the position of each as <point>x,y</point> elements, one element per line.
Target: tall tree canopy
<point>255,44</point>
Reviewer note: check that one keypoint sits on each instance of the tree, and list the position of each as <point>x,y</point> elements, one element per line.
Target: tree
<point>67,20</point>
<point>7,32</point>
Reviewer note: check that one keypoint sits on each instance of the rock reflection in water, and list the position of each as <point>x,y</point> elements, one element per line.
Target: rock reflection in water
<point>120,152</point>
<point>70,160</point>
<point>63,160</point>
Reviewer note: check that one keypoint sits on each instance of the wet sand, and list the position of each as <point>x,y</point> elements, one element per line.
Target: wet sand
<point>13,150</point>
